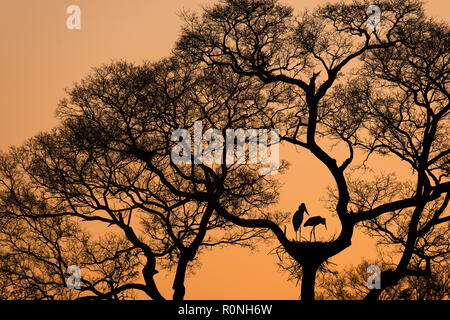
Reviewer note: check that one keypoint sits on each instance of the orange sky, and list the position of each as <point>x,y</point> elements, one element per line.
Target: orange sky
<point>40,57</point>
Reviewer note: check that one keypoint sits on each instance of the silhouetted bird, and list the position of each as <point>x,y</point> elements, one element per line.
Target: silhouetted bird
<point>314,222</point>
<point>297,219</point>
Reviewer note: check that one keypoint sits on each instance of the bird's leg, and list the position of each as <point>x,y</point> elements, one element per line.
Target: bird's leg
<point>300,229</point>
<point>310,235</point>
<point>314,232</point>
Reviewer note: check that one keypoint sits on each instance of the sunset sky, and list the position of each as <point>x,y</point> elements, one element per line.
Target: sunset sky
<point>40,57</point>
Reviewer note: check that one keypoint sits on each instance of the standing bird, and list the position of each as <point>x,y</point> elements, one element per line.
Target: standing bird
<point>314,222</point>
<point>297,219</point>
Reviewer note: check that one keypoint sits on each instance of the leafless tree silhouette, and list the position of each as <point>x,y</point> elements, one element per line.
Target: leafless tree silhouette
<point>264,41</point>
<point>242,64</point>
<point>110,163</point>
<point>407,115</point>
<point>350,284</point>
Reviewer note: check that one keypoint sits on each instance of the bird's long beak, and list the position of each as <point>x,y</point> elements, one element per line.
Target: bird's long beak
<point>306,210</point>
<point>325,226</point>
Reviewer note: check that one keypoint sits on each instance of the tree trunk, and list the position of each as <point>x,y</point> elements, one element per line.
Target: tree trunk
<point>391,279</point>
<point>152,290</point>
<point>308,282</point>
<point>180,275</point>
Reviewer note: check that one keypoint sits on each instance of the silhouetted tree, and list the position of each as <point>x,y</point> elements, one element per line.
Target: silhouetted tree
<point>242,64</point>
<point>110,163</point>
<point>264,41</point>
<point>406,114</point>
<point>350,284</point>
<point>39,242</point>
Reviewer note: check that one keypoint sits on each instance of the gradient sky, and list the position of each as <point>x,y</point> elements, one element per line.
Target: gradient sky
<point>40,57</point>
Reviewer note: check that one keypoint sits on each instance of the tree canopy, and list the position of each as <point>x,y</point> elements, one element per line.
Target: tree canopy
<point>320,79</point>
